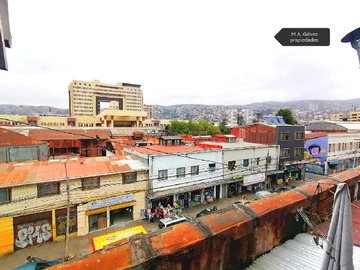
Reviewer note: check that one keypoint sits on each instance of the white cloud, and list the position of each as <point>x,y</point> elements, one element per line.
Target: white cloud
<point>205,52</point>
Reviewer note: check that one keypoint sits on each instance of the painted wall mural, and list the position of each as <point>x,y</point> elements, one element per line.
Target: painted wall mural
<point>32,233</point>
<point>315,153</point>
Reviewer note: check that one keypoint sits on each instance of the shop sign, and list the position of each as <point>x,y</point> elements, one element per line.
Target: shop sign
<point>254,179</point>
<point>32,233</point>
<point>99,242</point>
<point>110,201</point>
<point>237,177</point>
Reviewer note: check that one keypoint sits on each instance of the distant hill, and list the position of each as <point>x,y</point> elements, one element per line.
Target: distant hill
<point>212,113</point>
<point>31,110</point>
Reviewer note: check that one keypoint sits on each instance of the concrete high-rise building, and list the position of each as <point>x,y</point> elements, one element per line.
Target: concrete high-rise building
<point>90,98</point>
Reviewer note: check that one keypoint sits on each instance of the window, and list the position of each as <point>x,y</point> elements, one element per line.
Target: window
<point>180,172</point>
<point>163,174</point>
<point>257,161</point>
<point>231,165</point>
<point>128,178</point>
<point>195,170</point>
<point>90,183</point>
<point>298,152</point>
<point>299,135</point>
<point>284,136</point>
<point>48,189</point>
<point>245,163</point>
<point>5,195</point>
<point>212,167</point>
<point>285,152</point>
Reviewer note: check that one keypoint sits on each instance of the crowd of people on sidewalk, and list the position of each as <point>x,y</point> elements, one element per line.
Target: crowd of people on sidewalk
<point>160,211</point>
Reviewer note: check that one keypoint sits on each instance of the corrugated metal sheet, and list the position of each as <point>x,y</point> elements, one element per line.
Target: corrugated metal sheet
<point>161,149</point>
<point>298,253</point>
<point>71,134</point>
<point>10,138</point>
<point>12,174</point>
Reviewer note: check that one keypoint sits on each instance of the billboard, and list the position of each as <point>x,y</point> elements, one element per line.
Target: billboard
<point>100,242</point>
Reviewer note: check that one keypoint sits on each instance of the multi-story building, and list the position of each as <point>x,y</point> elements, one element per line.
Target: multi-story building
<point>329,153</point>
<point>5,35</point>
<point>179,173</point>
<point>348,116</point>
<point>90,98</point>
<point>290,138</point>
<point>34,198</point>
<point>232,117</point>
<point>247,166</point>
<point>108,118</point>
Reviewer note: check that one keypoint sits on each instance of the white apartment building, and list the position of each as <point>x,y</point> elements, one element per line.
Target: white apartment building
<point>181,174</point>
<point>248,166</point>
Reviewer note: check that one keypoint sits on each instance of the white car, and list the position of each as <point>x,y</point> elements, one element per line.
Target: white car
<point>171,220</point>
<point>262,194</point>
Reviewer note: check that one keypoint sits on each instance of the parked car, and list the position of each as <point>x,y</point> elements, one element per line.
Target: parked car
<point>171,220</point>
<point>241,202</point>
<point>34,263</point>
<point>281,189</point>
<point>204,212</point>
<point>262,194</point>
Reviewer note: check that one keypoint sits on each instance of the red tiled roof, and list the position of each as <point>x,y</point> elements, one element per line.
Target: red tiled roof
<point>162,149</point>
<point>314,135</point>
<point>37,172</point>
<point>10,138</point>
<point>72,134</point>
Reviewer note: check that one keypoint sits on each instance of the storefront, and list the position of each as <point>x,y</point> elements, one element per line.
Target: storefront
<point>234,188</point>
<point>110,211</point>
<point>254,182</point>
<point>61,220</point>
<point>32,230</point>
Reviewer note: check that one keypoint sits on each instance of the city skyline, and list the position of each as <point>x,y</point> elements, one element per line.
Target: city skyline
<point>193,53</point>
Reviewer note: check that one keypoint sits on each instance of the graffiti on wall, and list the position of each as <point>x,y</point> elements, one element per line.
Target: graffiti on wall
<point>32,233</point>
<point>314,168</point>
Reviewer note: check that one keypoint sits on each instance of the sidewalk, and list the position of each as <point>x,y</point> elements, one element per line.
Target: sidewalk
<point>80,246</point>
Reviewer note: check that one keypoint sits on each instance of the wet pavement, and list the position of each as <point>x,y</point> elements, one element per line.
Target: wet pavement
<point>80,246</point>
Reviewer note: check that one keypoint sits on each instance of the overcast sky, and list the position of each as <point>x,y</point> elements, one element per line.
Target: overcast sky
<point>180,52</point>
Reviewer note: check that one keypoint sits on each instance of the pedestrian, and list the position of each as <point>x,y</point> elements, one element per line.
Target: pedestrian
<point>214,207</point>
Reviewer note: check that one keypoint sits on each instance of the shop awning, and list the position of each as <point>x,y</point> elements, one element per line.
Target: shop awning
<point>188,188</point>
<point>336,162</point>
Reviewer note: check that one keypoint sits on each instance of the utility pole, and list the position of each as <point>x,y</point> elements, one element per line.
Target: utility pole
<point>67,215</point>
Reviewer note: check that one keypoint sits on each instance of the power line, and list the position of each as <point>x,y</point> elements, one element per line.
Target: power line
<point>121,143</point>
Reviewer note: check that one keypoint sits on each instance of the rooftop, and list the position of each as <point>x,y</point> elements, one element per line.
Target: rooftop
<point>10,138</point>
<point>14,174</point>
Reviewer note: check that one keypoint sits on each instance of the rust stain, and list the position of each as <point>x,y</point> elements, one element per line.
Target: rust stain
<point>176,238</point>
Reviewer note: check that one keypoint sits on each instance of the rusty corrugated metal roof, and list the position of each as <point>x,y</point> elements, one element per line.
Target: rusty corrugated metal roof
<point>12,174</point>
<point>314,135</point>
<point>162,149</point>
<point>68,134</point>
<point>10,138</point>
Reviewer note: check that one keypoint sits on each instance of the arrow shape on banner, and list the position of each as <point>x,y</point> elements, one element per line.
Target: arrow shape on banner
<point>303,36</point>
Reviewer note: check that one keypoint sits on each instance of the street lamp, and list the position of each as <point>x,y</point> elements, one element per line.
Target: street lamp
<point>354,38</point>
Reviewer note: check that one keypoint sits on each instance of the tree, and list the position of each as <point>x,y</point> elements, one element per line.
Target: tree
<point>287,116</point>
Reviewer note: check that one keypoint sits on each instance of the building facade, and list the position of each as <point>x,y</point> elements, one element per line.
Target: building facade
<point>348,116</point>
<point>290,138</point>
<point>247,166</point>
<point>332,153</point>
<point>185,175</point>
<point>18,147</point>
<point>34,198</point>
<point>90,98</point>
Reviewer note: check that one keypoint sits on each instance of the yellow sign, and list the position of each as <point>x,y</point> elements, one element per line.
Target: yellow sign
<point>106,239</point>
